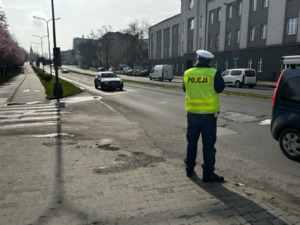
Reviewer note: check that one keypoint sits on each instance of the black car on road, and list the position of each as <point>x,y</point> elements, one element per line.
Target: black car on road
<point>285,122</point>
<point>108,80</point>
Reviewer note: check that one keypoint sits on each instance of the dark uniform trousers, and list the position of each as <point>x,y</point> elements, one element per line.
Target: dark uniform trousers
<point>204,125</point>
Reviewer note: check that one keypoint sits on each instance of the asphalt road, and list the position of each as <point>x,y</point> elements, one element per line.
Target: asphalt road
<point>246,152</point>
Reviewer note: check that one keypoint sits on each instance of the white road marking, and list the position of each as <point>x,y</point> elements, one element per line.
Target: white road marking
<point>81,99</point>
<point>16,116</point>
<point>265,122</point>
<point>50,135</point>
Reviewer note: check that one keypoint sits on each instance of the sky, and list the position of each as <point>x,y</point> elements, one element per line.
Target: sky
<point>79,17</point>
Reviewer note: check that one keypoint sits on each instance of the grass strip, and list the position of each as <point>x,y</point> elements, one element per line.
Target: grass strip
<point>48,82</point>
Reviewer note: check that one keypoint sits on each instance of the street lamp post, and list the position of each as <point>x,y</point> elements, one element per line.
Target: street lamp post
<point>57,88</point>
<point>49,52</point>
<point>41,37</point>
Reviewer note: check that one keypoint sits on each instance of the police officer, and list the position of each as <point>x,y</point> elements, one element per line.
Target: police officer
<point>202,85</point>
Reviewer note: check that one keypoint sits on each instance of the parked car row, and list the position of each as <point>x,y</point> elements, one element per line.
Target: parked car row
<point>140,73</point>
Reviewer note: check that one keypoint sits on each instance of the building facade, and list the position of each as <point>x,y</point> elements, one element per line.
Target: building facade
<point>240,33</point>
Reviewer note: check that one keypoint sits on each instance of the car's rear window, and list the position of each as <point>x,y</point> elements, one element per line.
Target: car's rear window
<point>290,91</point>
<point>250,73</point>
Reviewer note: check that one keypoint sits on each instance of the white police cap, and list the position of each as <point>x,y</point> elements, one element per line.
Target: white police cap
<point>204,54</point>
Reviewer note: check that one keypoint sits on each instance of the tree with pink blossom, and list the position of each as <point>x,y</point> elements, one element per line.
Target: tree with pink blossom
<point>11,54</point>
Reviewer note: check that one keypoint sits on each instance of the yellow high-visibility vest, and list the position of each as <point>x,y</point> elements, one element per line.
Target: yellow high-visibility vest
<point>200,95</point>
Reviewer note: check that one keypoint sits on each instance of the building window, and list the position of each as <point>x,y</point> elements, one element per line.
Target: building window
<point>291,28</point>
<point>259,65</point>
<point>238,36</point>
<point>219,15</point>
<point>191,24</point>
<point>252,33</point>
<point>240,8</point>
<point>201,21</point>
<point>210,42</point>
<point>250,63</point>
<point>230,12</point>
<point>218,40</point>
<point>265,3</point>
<point>212,18</point>
<point>263,31</point>
<point>253,5</point>
<point>228,38</point>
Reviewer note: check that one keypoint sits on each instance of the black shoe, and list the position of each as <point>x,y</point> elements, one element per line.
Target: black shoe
<point>189,173</point>
<point>212,178</point>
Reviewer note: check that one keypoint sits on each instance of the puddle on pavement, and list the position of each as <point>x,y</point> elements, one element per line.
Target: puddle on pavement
<point>108,147</point>
<point>126,162</point>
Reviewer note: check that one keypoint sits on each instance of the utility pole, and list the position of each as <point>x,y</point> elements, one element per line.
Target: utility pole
<point>57,88</point>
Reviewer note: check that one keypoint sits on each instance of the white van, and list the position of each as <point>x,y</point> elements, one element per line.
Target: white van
<point>162,72</point>
<point>287,61</point>
<point>239,77</point>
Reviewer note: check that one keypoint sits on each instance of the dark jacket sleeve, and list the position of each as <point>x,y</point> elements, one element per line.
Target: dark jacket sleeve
<point>219,84</point>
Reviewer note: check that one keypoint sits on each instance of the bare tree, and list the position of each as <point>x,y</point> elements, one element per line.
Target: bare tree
<point>88,51</point>
<point>137,33</point>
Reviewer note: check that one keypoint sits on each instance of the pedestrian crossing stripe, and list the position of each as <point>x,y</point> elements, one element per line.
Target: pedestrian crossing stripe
<point>25,116</point>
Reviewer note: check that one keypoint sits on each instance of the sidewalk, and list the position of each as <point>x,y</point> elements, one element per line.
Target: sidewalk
<point>31,89</point>
<point>110,173</point>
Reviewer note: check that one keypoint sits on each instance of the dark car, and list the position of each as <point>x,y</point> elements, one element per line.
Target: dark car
<point>144,73</point>
<point>285,122</point>
<point>108,80</point>
<point>136,72</point>
<point>129,72</point>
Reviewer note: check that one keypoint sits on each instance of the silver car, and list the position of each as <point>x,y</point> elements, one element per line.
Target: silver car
<point>240,77</point>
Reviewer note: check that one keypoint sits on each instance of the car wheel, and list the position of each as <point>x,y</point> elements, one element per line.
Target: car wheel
<point>251,86</point>
<point>237,84</point>
<point>150,78</point>
<point>289,141</point>
<point>96,86</point>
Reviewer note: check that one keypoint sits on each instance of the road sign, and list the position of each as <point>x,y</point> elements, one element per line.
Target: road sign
<point>235,54</point>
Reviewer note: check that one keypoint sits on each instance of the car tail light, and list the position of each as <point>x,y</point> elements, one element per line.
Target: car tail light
<point>275,92</point>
